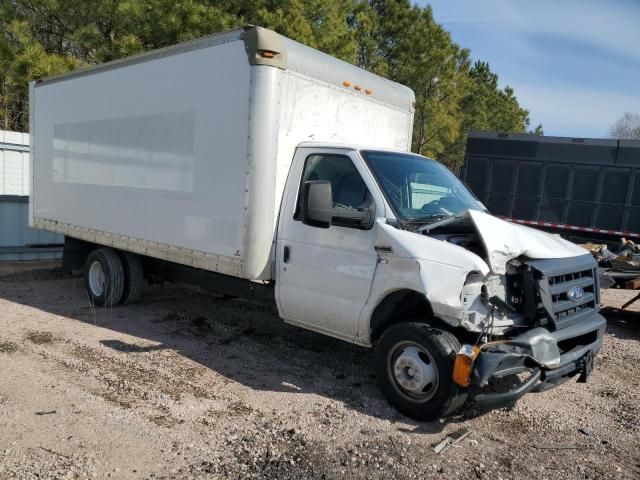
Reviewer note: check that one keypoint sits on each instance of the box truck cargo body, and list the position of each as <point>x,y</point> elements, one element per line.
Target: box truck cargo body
<point>249,164</point>
<point>182,154</point>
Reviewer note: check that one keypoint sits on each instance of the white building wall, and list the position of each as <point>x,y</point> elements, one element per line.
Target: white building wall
<point>14,163</point>
<point>17,240</point>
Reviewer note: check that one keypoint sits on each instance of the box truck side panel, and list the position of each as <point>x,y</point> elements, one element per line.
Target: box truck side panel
<point>307,101</point>
<point>183,153</point>
<point>154,152</point>
<point>333,71</point>
<point>315,111</point>
<point>289,108</point>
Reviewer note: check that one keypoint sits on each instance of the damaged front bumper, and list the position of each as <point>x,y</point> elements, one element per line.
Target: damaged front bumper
<point>549,357</point>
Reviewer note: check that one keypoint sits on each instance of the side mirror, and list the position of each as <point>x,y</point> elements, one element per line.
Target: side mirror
<point>362,218</point>
<point>317,203</point>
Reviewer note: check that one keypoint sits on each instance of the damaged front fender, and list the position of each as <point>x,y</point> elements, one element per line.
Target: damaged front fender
<point>443,269</point>
<point>436,269</point>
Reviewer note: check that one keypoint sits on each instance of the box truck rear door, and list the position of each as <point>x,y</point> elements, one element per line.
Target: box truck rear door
<point>324,274</point>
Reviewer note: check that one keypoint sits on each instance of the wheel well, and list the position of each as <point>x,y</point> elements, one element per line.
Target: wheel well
<point>399,306</point>
<point>75,253</point>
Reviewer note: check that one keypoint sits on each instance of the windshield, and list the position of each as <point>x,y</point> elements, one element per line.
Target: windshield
<point>418,188</point>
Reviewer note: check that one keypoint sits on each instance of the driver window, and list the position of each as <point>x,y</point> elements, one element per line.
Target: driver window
<point>348,188</point>
<point>424,190</point>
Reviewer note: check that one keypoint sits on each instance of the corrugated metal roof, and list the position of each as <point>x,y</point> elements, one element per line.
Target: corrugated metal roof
<point>16,138</point>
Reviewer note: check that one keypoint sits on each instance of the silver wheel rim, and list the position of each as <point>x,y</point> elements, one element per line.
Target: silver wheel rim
<point>96,279</point>
<point>413,371</point>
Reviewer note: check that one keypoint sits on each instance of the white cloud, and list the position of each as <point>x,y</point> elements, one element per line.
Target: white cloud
<point>611,25</point>
<point>579,112</point>
<point>578,88</point>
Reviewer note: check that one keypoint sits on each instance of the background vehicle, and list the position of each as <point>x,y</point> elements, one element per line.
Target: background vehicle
<point>585,189</point>
<point>234,163</point>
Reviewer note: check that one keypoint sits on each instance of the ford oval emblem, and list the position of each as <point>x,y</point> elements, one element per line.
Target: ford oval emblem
<point>575,294</point>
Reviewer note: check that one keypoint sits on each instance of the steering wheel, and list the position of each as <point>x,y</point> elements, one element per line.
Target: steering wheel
<point>432,205</point>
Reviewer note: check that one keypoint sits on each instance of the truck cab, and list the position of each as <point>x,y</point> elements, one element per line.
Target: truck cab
<point>389,249</point>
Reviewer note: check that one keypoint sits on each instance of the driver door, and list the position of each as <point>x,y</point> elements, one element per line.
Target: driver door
<point>325,274</point>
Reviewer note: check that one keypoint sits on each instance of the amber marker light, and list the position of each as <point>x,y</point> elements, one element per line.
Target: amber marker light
<point>357,87</point>
<point>346,83</point>
<point>267,54</point>
<point>368,91</point>
<point>463,364</point>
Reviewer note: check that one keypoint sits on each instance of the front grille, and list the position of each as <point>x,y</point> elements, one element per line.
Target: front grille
<point>560,285</point>
<point>556,278</point>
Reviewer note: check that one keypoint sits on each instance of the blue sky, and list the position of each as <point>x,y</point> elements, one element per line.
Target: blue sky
<point>574,64</point>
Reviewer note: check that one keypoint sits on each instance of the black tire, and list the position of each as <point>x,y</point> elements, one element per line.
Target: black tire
<point>133,277</point>
<point>107,292</point>
<point>437,349</point>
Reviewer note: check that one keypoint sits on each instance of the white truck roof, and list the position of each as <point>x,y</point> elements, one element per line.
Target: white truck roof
<point>350,146</point>
<point>296,57</point>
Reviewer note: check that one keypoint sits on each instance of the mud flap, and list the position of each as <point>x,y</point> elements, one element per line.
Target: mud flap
<point>586,366</point>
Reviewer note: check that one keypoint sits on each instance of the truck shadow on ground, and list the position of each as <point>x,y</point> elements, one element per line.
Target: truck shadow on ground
<point>244,342</point>
<point>623,324</point>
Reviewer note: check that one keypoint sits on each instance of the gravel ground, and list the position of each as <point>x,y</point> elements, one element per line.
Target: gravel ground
<point>184,385</point>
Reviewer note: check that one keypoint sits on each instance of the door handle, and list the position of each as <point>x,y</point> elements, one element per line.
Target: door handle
<point>286,254</point>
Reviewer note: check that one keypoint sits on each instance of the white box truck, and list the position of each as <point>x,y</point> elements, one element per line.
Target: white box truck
<point>252,165</point>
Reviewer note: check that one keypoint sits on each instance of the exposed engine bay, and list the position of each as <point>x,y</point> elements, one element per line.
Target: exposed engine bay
<point>495,304</point>
<point>468,240</point>
<point>458,230</point>
<point>525,291</point>
<point>514,278</point>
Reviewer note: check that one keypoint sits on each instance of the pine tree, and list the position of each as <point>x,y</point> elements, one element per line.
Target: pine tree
<point>393,38</point>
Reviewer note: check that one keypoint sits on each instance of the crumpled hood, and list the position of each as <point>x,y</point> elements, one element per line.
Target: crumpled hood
<point>404,243</point>
<point>505,240</point>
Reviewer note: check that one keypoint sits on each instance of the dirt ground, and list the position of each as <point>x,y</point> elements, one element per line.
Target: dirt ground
<point>183,385</point>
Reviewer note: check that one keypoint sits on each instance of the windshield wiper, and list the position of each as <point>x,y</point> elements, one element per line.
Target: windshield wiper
<point>419,224</point>
<point>426,219</point>
<point>444,221</point>
<point>414,224</point>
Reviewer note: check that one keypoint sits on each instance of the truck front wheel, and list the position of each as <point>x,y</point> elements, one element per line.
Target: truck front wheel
<point>414,367</point>
<point>104,277</point>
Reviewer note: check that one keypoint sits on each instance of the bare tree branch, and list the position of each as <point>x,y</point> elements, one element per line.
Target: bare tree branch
<point>627,127</point>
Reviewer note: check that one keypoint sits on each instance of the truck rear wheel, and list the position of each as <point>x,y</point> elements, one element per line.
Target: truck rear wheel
<point>414,367</point>
<point>133,277</point>
<point>104,277</point>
